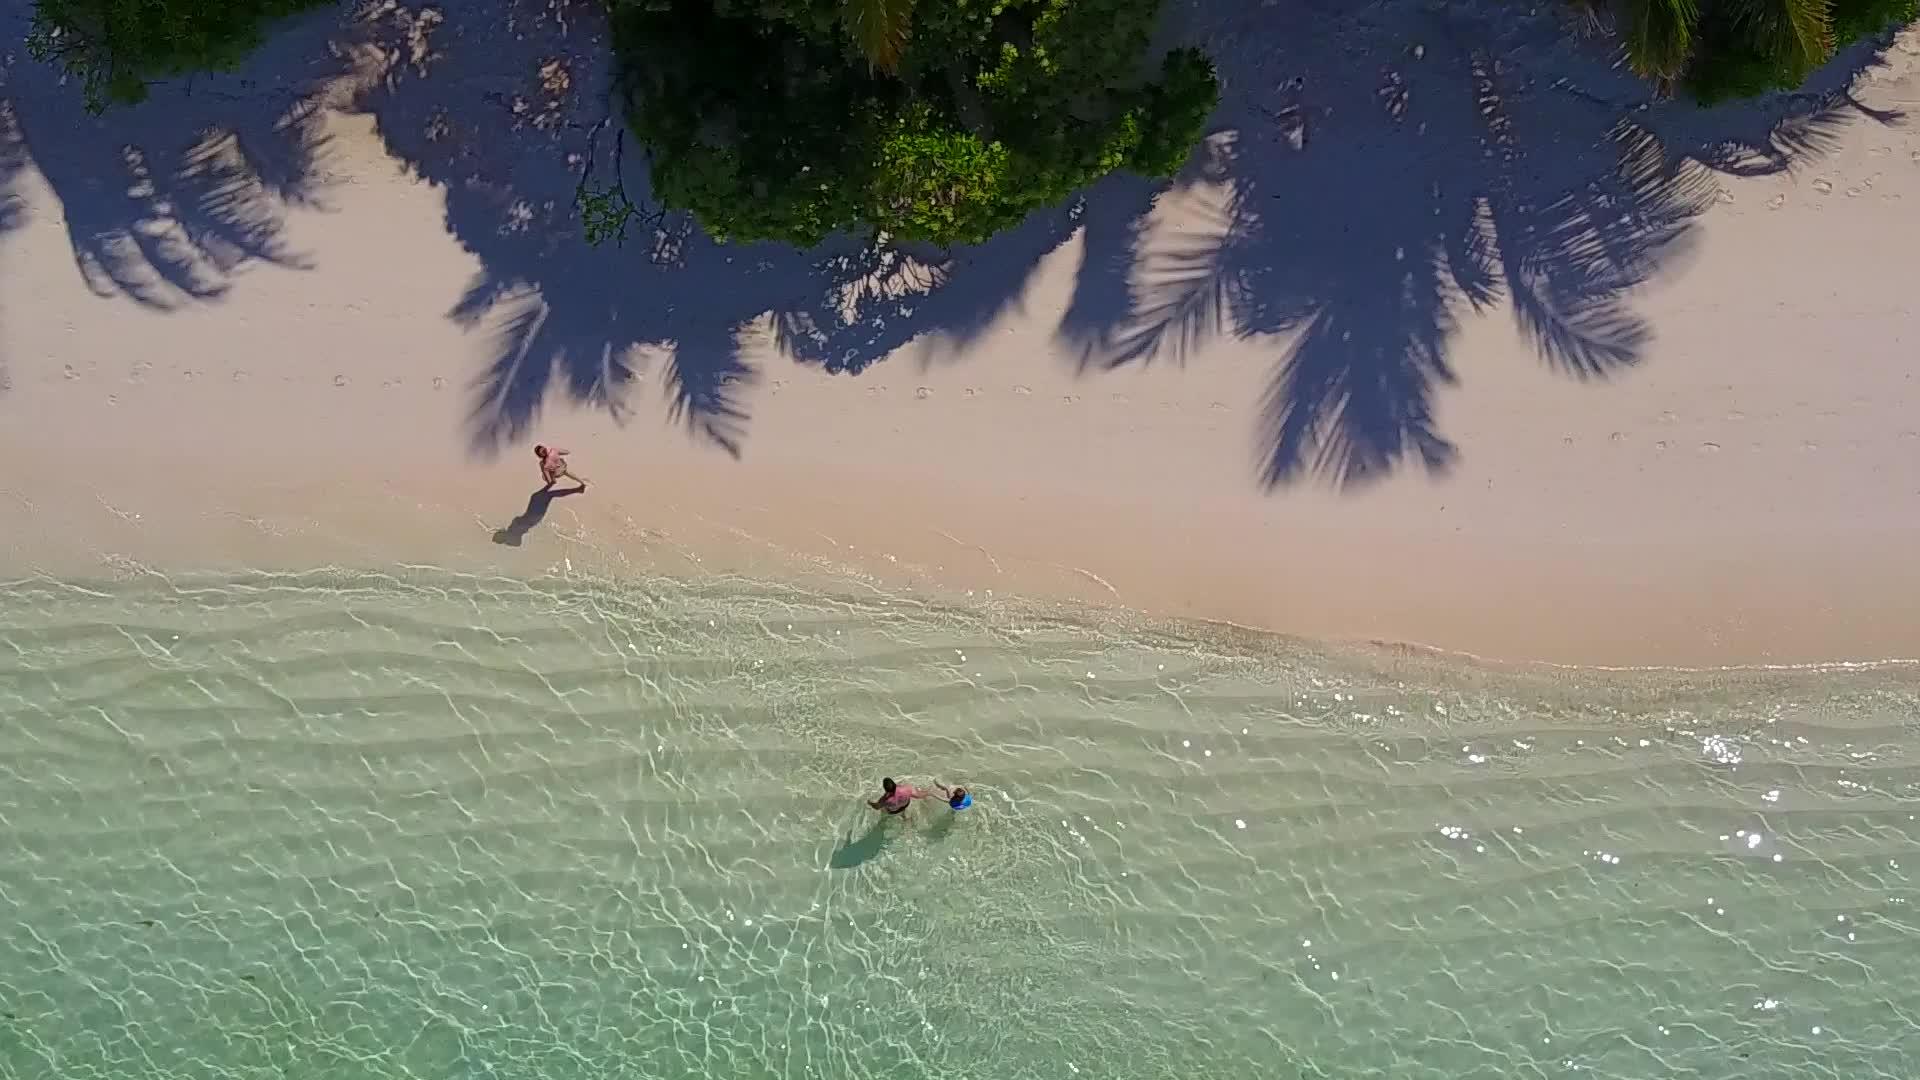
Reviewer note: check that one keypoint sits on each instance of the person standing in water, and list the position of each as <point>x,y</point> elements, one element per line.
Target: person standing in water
<point>895,797</point>
<point>553,466</point>
<point>957,798</point>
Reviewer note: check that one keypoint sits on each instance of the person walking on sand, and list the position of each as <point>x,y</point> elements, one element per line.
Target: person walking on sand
<point>553,466</point>
<point>895,798</point>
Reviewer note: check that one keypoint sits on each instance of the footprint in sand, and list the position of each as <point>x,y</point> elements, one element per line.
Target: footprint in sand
<point>1724,195</point>
<point>1776,202</point>
<point>973,391</point>
<point>1023,390</point>
<point>1660,446</point>
<point>1824,187</point>
<point>1736,415</point>
<point>923,393</point>
<point>439,383</point>
<point>339,380</point>
<point>1709,447</point>
<point>70,373</point>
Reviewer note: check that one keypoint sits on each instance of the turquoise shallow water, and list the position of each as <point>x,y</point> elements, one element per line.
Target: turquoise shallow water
<point>339,825</point>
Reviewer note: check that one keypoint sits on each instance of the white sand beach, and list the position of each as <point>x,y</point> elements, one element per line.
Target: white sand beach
<point>1453,335</point>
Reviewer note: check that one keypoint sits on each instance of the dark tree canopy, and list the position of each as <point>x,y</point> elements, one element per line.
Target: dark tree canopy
<point>1727,49</point>
<point>935,120</point>
<point>116,47</point>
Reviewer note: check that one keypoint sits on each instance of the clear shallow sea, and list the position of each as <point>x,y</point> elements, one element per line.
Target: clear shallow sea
<point>424,825</point>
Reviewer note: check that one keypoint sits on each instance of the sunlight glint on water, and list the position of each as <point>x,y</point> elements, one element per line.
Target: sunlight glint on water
<point>361,826</point>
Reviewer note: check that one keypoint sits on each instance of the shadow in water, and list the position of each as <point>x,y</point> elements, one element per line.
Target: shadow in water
<point>854,852</point>
<point>943,826</point>
<point>537,506</point>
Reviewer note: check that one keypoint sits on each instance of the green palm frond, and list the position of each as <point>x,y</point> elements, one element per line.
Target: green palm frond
<point>1660,36</point>
<point>1796,33</point>
<point>879,28</point>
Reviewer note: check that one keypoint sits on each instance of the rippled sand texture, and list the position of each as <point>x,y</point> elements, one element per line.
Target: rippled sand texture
<point>358,826</point>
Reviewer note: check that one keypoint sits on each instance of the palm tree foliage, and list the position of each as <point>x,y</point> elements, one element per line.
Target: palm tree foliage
<point>1660,37</point>
<point>791,120</point>
<point>1738,48</point>
<point>879,28</point>
<point>115,47</point>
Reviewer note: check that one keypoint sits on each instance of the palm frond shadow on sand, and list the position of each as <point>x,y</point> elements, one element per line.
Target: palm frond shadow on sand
<point>12,160</point>
<point>667,312</point>
<point>1505,165</point>
<point>165,200</point>
<point>502,105</point>
<point>1353,215</point>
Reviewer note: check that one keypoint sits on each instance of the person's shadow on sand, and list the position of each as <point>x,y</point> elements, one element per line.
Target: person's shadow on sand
<point>536,511</point>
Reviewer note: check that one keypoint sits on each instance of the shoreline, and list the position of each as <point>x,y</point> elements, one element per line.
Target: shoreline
<point>1020,615</point>
<point>1731,481</point>
<point>690,529</point>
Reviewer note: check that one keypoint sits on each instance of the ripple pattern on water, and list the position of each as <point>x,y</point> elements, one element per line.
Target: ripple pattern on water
<point>418,824</point>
